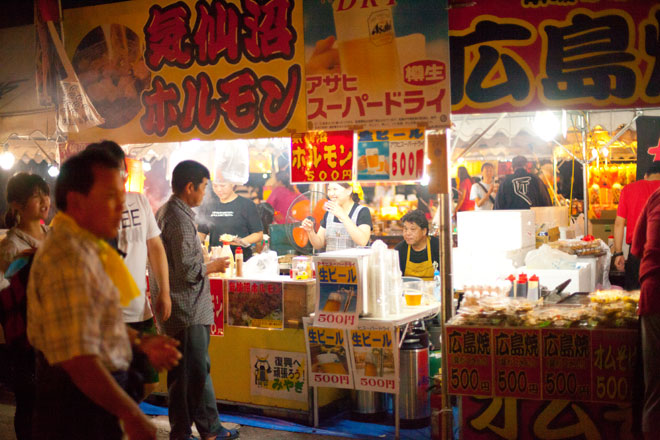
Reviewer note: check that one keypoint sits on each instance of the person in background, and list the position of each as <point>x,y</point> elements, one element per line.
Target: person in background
<point>464,188</point>
<point>483,192</point>
<point>229,213</point>
<point>646,247</point>
<point>190,389</point>
<point>282,196</point>
<point>139,240</point>
<point>631,203</point>
<point>28,196</point>
<point>76,287</point>
<point>417,252</point>
<point>346,224</point>
<point>521,190</point>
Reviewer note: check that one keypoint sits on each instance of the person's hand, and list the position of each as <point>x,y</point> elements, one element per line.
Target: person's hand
<point>620,263</point>
<point>307,225</point>
<point>324,60</point>
<point>240,242</point>
<point>337,210</point>
<point>161,351</point>
<point>217,265</point>
<point>164,306</point>
<point>139,427</point>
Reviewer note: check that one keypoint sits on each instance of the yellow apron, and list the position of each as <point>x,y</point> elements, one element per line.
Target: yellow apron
<point>421,270</point>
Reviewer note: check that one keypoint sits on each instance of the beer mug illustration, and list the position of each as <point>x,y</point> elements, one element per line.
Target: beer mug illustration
<point>367,45</point>
<point>370,365</point>
<point>333,303</point>
<point>330,363</point>
<point>372,160</point>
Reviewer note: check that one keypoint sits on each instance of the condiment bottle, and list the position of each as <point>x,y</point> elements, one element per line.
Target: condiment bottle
<point>226,252</point>
<point>512,279</point>
<point>239,262</point>
<point>521,286</point>
<point>533,288</point>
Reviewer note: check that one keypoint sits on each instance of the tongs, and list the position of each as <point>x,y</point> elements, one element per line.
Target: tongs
<point>555,294</point>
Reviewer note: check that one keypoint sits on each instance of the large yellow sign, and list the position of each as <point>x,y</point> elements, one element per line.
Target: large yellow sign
<point>178,70</point>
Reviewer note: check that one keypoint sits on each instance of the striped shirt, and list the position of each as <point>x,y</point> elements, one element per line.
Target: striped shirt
<point>189,285</point>
<point>73,306</point>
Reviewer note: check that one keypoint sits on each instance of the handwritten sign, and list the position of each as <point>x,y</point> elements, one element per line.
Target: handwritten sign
<point>327,351</point>
<point>391,154</point>
<point>374,360</point>
<point>322,157</point>
<point>278,374</point>
<point>338,292</point>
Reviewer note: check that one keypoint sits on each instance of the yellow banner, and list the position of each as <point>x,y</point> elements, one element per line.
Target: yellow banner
<point>168,71</point>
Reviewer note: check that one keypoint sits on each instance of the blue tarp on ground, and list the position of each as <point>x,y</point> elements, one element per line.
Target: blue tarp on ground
<point>335,426</point>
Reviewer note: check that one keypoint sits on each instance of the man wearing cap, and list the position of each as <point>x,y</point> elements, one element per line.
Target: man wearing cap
<point>521,190</point>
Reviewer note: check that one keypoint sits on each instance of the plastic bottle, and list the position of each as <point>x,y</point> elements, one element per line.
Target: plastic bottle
<point>266,247</point>
<point>239,262</point>
<point>437,286</point>
<point>226,252</point>
<point>533,288</point>
<point>521,286</point>
<point>512,279</point>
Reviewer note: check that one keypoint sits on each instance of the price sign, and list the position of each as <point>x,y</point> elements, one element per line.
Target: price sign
<point>338,292</point>
<point>374,361</point>
<point>469,360</point>
<point>517,363</point>
<point>613,364</point>
<point>566,364</point>
<point>322,157</point>
<point>391,154</point>
<point>217,295</point>
<point>328,355</point>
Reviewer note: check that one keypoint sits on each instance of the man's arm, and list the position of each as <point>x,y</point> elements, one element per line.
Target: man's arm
<point>158,264</point>
<point>91,377</point>
<point>619,225</point>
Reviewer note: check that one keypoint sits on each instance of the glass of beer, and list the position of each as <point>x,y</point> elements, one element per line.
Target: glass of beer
<point>372,160</point>
<point>333,303</point>
<point>370,365</point>
<point>330,363</point>
<point>367,44</point>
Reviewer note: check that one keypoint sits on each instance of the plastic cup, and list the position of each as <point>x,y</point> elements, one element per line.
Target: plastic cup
<point>413,298</point>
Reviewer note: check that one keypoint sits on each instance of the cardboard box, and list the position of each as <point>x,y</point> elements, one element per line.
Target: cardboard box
<point>499,230</point>
<point>550,216</point>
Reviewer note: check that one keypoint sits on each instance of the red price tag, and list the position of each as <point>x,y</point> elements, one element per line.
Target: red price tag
<point>566,364</point>
<point>470,360</point>
<point>517,363</point>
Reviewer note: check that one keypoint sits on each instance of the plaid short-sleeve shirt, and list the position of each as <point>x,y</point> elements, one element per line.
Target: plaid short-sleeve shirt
<point>73,306</point>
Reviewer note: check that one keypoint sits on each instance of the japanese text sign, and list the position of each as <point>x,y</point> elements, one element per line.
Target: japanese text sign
<point>217,295</point>
<point>470,361</point>
<point>517,364</point>
<point>566,364</point>
<point>327,351</point>
<point>374,359</point>
<point>278,374</point>
<point>392,155</point>
<point>613,363</point>
<point>377,64</point>
<point>338,292</point>
<point>321,156</point>
<point>190,69</point>
<point>255,304</point>
<point>535,54</point>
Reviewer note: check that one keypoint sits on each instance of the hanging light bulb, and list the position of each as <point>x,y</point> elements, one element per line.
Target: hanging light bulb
<point>53,171</point>
<point>146,166</point>
<point>546,125</point>
<point>605,151</point>
<point>425,180</point>
<point>7,160</point>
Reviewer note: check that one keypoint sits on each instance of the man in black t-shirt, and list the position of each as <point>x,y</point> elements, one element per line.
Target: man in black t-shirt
<point>417,251</point>
<point>229,213</point>
<point>521,190</point>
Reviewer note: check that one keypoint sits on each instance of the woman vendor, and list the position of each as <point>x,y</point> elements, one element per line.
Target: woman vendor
<point>346,224</point>
<point>418,252</point>
<point>229,213</point>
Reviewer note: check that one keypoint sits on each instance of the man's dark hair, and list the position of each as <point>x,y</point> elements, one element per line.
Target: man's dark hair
<point>653,169</point>
<point>77,174</point>
<point>487,164</point>
<point>186,172</point>
<point>417,217</point>
<point>519,162</point>
<point>110,147</point>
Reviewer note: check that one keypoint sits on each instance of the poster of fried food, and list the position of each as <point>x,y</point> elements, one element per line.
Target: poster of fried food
<point>256,304</point>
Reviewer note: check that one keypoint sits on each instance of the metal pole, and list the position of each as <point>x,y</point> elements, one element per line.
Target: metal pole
<point>446,307</point>
<point>584,118</point>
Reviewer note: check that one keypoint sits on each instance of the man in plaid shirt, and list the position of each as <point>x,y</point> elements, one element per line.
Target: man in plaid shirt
<point>190,389</point>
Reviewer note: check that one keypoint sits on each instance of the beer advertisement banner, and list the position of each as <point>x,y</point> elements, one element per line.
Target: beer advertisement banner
<point>338,292</point>
<point>166,70</point>
<point>376,64</point>
<point>322,156</point>
<point>392,155</point>
<point>375,362</point>
<point>255,304</point>
<point>539,54</point>
<point>217,295</point>
<point>278,374</point>
<point>327,354</point>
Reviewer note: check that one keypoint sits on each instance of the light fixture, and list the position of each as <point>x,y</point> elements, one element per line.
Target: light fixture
<point>605,151</point>
<point>546,125</point>
<point>594,153</point>
<point>7,159</point>
<point>424,181</point>
<point>146,166</point>
<point>53,171</point>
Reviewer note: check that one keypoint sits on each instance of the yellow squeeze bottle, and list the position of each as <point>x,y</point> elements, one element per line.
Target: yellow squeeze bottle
<point>226,252</point>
